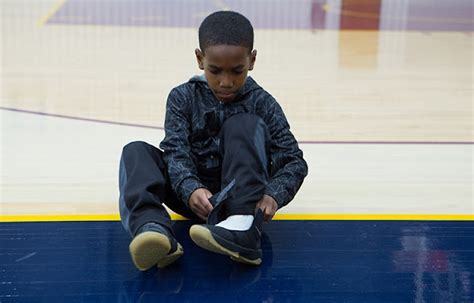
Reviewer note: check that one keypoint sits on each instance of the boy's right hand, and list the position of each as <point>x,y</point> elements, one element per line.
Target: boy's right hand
<point>199,203</point>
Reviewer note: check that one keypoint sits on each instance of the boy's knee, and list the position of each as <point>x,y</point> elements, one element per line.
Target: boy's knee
<point>142,151</point>
<point>135,146</point>
<point>244,122</point>
<point>249,128</point>
<point>242,118</point>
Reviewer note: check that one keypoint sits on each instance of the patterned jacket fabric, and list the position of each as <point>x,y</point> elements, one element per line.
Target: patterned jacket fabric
<point>191,144</point>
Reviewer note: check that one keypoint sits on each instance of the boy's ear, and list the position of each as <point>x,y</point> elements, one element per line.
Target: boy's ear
<point>199,57</point>
<point>253,57</point>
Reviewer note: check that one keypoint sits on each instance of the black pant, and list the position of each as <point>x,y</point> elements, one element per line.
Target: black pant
<point>144,183</point>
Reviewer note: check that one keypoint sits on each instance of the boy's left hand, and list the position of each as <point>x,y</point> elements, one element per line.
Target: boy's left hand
<point>269,207</point>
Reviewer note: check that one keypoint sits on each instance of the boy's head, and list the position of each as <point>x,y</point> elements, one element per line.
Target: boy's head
<point>226,28</point>
<point>226,52</point>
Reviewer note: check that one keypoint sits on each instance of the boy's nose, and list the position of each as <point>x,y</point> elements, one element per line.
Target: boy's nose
<point>226,82</point>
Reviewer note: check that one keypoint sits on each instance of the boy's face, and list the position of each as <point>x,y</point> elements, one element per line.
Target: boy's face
<point>226,68</point>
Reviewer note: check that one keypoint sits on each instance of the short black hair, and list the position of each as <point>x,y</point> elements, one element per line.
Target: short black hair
<point>226,28</point>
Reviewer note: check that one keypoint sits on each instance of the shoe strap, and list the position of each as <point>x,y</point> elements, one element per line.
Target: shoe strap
<point>218,200</point>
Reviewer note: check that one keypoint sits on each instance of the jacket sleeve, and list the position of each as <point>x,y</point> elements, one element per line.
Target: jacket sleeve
<point>177,149</point>
<point>288,168</point>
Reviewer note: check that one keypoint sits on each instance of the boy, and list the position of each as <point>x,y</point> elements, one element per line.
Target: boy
<point>228,157</point>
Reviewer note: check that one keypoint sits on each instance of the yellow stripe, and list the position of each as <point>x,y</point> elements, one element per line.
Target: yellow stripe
<point>51,12</point>
<point>84,217</point>
<point>348,217</point>
<point>389,217</point>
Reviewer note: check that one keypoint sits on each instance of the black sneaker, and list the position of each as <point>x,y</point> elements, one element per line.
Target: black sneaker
<point>154,244</point>
<point>241,246</point>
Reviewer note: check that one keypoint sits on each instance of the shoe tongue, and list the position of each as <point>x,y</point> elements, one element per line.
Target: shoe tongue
<point>216,214</point>
<point>258,219</point>
<point>218,200</point>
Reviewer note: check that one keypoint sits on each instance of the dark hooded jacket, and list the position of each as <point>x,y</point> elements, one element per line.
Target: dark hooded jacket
<point>191,146</point>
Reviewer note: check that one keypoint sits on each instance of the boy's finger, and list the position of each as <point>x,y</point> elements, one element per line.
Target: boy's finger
<point>201,216</point>
<point>268,215</point>
<point>204,207</point>
<point>208,206</point>
<point>201,212</point>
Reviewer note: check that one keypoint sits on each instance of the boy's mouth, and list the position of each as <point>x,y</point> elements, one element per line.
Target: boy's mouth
<point>225,96</point>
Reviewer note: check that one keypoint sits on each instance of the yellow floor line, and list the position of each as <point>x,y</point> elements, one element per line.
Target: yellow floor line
<point>51,12</point>
<point>390,217</point>
<point>348,217</point>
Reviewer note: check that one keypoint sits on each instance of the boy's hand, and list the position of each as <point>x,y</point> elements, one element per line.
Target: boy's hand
<point>199,203</point>
<point>269,207</point>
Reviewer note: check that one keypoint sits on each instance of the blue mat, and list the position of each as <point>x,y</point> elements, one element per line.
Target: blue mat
<point>303,261</point>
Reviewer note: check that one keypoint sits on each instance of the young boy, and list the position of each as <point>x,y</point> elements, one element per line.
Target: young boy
<point>228,157</point>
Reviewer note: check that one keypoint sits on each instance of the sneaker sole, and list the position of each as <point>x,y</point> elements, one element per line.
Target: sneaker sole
<point>204,239</point>
<point>169,259</point>
<point>150,248</point>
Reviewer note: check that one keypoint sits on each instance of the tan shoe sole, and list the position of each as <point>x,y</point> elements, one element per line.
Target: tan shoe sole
<point>150,248</point>
<point>169,259</point>
<point>203,238</point>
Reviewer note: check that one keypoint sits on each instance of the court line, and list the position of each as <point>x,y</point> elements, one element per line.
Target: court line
<point>51,12</point>
<point>300,142</point>
<point>78,118</point>
<point>390,142</point>
<point>317,217</point>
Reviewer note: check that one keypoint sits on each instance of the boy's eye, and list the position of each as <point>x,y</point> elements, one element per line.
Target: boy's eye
<point>238,72</point>
<point>214,71</point>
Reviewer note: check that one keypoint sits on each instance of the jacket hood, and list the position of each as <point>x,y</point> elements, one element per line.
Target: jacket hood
<point>249,84</point>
